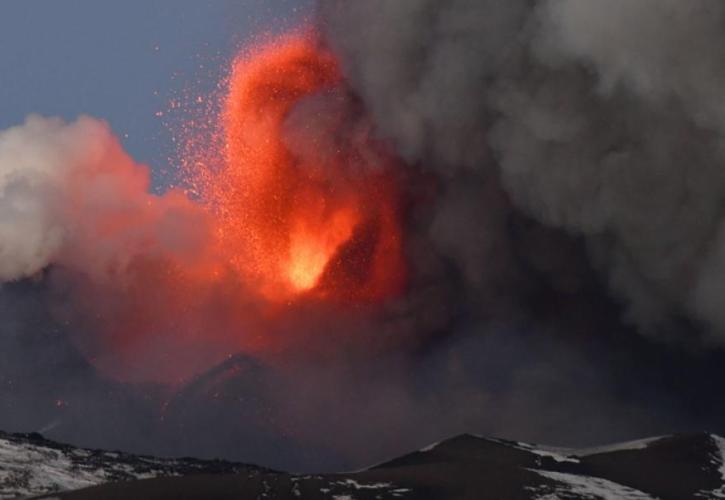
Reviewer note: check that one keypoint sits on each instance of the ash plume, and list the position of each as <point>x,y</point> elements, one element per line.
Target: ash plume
<point>604,121</point>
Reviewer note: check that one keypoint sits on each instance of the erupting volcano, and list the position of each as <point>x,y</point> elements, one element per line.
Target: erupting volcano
<point>305,199</point>
<point>382,223</point>
<point>295,202</point>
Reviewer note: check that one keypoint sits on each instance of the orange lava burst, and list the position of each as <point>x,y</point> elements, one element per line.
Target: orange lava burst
<point>318,217</point>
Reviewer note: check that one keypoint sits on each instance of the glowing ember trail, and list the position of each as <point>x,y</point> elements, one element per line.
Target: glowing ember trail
<point>298,218</point>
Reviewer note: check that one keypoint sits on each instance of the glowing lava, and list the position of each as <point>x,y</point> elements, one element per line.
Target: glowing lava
<point>303,205</point>
<point>294,204</point>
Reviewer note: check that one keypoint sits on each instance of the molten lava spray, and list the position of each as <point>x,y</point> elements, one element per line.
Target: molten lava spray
<point>305,201</point>
<point>297,205</point>
<point>297,202</point>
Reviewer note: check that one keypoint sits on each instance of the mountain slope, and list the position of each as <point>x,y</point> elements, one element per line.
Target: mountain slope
<point>32,465</point>
<point>464,467</point>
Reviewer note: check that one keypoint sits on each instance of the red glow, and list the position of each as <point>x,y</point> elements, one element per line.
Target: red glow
<point>296,224</point>
<point>296,205</point>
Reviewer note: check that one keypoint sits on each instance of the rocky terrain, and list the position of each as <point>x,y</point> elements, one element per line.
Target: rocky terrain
<point>464,467</point>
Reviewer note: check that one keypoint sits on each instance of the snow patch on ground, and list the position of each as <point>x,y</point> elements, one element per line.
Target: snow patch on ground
<point>361,486</point>
<point>31,470</point>
<point>639,444</point>
<point>586,487</point>
<point>430,447</point>
<point>557,454</point>
<point>33,466</point>
<point>572,455</point>
<point>718,460</point>
<point>343,489</point>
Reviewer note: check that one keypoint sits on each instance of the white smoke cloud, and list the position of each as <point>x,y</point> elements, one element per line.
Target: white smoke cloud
<point>70,195</point>
<point>32,164</point>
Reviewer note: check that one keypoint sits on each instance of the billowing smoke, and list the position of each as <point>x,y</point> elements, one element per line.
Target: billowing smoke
<point>601,119</point>
<point>421,218</point>
<point>71,195</point>
<point>123,260</point>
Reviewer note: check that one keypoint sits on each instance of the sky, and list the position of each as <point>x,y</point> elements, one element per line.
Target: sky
<point>124,61</point>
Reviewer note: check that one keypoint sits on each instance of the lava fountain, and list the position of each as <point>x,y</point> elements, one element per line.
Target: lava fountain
<point>306,200</point>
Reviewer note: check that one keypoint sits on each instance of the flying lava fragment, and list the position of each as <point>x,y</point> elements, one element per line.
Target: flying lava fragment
<point>305,200</point>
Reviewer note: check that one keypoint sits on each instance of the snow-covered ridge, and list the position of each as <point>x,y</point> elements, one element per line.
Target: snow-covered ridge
<point>579,486</point>
<point>695,465</point>
<point>31,465</point>
<point>718,460</point>
<point>562,454</point>
<point>483,467</point>
<point>573,454</point>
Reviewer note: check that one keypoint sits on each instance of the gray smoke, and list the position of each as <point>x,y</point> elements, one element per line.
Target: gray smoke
<point>603,119</point>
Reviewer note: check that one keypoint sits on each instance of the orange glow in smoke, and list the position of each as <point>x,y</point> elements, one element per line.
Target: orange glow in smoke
<point>294,203</point>
<point>291,222</point>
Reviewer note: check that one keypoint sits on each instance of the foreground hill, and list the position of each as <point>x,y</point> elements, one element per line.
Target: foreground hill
<point>31,465</point>
<point>464,467</point>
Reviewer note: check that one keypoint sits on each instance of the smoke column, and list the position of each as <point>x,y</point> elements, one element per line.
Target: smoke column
<point>604,121</point>
<point>417,219</point>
